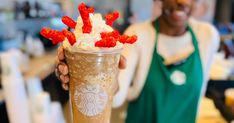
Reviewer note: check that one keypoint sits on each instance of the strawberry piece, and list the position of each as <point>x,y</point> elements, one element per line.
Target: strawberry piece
<point>69,22</point>
<point>110,18</point>
<point>70,36</point>
<point>84,12</point>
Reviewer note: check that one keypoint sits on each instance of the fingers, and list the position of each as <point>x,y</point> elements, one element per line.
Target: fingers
<point>60,53</point>
<point>64,79</point>
<point>62,68</point>
<point>62,74</point>
<point>65,87</point>
<point>122,62</point>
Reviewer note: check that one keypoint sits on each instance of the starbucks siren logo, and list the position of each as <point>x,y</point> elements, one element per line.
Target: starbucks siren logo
<point>90,99</point>
<point>178,77</point>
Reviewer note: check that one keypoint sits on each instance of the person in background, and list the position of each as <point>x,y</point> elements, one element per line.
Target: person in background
<point>166,71</point>
<point>37,8</point>
<point>17,9</point>
<point>26,9</point>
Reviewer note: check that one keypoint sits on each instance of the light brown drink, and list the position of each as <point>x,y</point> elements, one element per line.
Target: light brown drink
<point>93,77</point>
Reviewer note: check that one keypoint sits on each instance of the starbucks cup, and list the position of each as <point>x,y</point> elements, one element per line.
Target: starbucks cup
<point>92,53</point>
<point>93,77</point>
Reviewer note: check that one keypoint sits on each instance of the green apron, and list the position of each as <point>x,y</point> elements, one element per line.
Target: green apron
<point>170,95</point>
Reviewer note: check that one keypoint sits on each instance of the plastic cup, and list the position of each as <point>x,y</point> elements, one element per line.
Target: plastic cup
<point>93,77</point>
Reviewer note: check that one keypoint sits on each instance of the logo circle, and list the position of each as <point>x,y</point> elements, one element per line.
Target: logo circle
<point>90,99</point>
<point>178,77</point>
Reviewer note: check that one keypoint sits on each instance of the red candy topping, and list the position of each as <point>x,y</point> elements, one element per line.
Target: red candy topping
<point>106,42</point>
<point>54,35</point>
<point>132,39</point>
<point>128,39</point>
<point>91,10</point>
<point>84,13</point>
<point>69,22</point>
<point>108,39</point>
<point>123,39</point>
<point>114,34</point>
<point>110,18</point>
<point>46,32</point>
<point>70,36</point>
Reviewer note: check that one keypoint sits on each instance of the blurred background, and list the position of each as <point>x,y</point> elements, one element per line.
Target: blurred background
<point>33,82</point>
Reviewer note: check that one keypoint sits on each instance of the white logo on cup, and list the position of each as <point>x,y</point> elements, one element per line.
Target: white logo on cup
<point>90,99</point>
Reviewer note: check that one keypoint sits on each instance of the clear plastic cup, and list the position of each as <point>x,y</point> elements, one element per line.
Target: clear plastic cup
<point>93,77</point>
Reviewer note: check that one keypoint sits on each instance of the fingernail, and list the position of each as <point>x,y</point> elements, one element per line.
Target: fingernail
<point>66,79</point>
<point>60,67</point>
<point>65,87</point>
<point>61,56</point>
<point>65,70</point>
<point>62,78</point>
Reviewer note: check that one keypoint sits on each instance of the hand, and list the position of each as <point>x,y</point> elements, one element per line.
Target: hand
<point>61,70</point>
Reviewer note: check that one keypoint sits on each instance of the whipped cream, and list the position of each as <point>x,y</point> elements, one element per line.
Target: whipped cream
<point>86,41</point>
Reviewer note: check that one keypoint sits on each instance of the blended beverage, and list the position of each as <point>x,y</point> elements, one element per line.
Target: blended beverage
<point>92,53</point>
<point>92,84</point>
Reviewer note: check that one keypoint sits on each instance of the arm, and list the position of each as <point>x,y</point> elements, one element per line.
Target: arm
<point>212,49</point>
<point>126,75</point>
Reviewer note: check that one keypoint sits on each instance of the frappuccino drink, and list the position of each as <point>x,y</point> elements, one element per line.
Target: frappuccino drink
<point>92,53</point>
